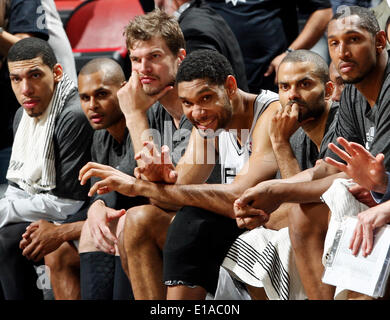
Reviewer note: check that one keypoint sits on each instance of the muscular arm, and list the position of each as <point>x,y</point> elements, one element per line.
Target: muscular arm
<point>269,195</point>
<point>304,187</point>
<point>192,170</point>
<point>7,40</point>
<point>219,198</point>
<point>134,103</point>
<point>319,171</point>
<point>198,160</point>
<point>313,30</point>
<point>308,37</point>
<point>70,231</point>
<point>284,123</point>
<point>214,197</point>
<point>307,191</point>
<point>287,163</point>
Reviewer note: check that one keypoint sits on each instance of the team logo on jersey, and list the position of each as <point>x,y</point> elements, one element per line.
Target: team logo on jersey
<point>234,2</point>
<point>370,134</point>
<point>228,175</point>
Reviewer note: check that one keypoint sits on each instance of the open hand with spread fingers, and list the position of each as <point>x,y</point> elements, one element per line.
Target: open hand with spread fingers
<point>365,169</point>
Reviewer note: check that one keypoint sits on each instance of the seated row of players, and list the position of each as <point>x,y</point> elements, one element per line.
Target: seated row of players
<point>249,133</point>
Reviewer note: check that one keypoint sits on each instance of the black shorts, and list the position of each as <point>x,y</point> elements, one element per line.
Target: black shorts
<point>196,244</point>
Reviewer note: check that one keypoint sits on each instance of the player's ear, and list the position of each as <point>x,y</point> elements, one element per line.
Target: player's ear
<point>231,86</point>
<point>181,55</point>
<point>57,72</point>
<point>380,41</point>
<point>329,87</point>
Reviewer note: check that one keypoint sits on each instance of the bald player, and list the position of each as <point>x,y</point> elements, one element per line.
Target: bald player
<point>101,273</point>
<point>99,80</point>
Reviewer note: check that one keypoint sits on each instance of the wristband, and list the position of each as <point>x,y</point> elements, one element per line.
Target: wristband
<point>382,197</point>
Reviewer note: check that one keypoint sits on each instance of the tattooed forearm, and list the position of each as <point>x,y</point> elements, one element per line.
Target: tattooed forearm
<point>218,198</point>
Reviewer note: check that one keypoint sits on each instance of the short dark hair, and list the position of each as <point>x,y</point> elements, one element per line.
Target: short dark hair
<point>321,68</point>
<point>155,23</point>
<point>31,48</point>
<point>204,64</point>
<point>367,17</point>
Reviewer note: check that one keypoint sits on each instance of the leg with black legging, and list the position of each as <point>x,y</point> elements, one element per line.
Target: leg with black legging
<point>18,277</point>
<point>96,275</point>
<point>122,288</point>
<point>101,274</point>
<point>102,277</point>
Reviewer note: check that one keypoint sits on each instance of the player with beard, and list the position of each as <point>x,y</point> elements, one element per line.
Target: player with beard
<point>151,110</point>
<point>357,48</point>
<point>234,123</point>
<point>300,132</point>
<point>211,100</point>
<point>156,49</point>
<point>98,83</point>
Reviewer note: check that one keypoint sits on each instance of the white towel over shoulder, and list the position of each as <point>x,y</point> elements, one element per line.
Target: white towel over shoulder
<point>32,163</point>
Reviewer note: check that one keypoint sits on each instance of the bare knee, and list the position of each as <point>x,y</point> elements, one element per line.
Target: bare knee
<point>307,221</point>
<point>86,241</point>
<point>145,223</point>
<point>65,257</point>
<point>139,220</point>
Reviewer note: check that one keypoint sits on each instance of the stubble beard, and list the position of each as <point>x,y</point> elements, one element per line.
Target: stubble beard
<point>150,91</point>
<point>314,110</point>
<point>359,78</point>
